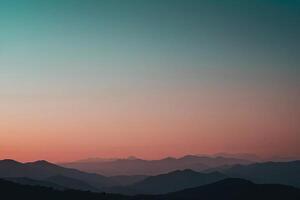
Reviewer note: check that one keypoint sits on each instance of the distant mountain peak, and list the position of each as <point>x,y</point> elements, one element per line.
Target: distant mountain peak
<point>169,158</point>
<point>9,161</point>
<point>133,165</point>
<point>96,160</point>
<point>191,157</point>
<point>41,163</point>
<point>132,158</point>
<point>188,170</point>
<point>185,171</point>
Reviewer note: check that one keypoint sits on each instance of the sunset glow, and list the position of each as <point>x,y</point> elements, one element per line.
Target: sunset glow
<point>152,79</point>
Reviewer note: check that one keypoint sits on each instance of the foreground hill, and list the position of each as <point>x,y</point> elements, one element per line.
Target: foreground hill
<point>287,173</point>
<point>10,190</point>
<point>229,189</point>
<point>134,166</point>
<point>236,189</point>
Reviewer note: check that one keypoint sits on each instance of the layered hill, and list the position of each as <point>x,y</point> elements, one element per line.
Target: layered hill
<point>228,189</point>
<point>135,166</point>
<point>287,173</point>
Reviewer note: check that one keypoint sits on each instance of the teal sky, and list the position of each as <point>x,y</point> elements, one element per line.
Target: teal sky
<point>167,70</point>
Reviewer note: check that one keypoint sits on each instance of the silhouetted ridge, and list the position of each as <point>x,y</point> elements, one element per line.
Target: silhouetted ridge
<point>229,189</point>
<point>287,173</point>
<point>185,171</point>
<point>176,180</point>
<point>32,182</point>
<point>191,157</point>
<point>233,182</point>
<point>41,163</point>
<point>236,189</point>
<point>41,170</point>
<point>168,159</point>
<point>9,162</point>
<point>72,183</point>
<point>153,167</point>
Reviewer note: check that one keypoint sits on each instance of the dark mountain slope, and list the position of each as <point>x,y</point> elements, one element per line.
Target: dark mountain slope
<point>177,180</point>
<point>32,182</point>
<point>41,170</point>
<point>287,173</point>
<point>14,191</point>
<point>71,183</point>
<point>236,189</point>
<point>229,189</point>
<point>128,180</point>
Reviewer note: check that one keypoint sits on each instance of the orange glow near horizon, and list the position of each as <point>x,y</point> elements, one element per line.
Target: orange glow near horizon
<point>65,132</point>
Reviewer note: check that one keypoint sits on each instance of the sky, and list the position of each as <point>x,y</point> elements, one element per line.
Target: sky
<point>149,78</point>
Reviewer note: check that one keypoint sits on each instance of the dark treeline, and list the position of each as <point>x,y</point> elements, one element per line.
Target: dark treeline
<point>228,189</point>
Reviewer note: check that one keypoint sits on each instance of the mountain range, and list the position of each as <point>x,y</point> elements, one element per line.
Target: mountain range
<point>228,189</point>
<point>235,189</point>
<point>169,182</point>
<point>175,181</point>
<point>287,173</point>
<point>43,173</point>
<point>136,166</point>
<point>48,172</point>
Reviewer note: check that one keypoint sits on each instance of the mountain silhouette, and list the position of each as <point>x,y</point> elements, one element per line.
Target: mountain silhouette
<point>42,170</point>
<point>43,173</point>
<point>236,189</point>
<point>32,182</point>
<point>287,173</point>
<point>11,190</point>
<point>244,156</point>
<point>152,167</point>
<point>128,180</point>
<point>174,181</point>
<point>228,189</point>
<point>71,183</point>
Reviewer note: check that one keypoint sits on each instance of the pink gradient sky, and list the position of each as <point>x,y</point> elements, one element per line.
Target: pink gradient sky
<point>150,125</point>
<point>148,78</point>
